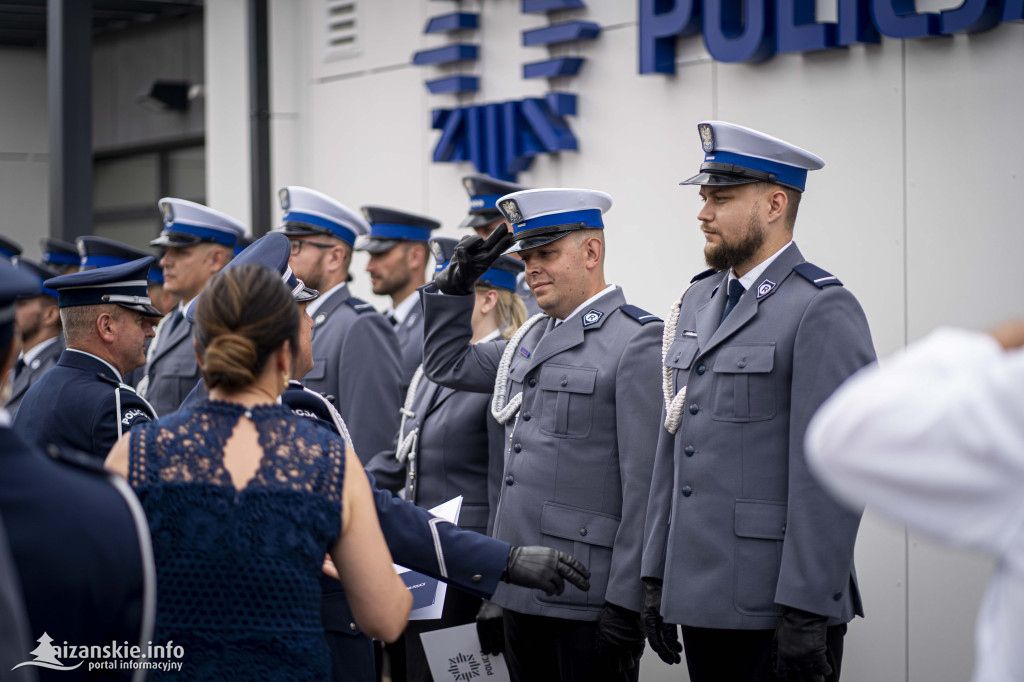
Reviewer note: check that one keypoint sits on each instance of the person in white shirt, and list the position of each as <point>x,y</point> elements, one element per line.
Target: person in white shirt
<point>934,438</point>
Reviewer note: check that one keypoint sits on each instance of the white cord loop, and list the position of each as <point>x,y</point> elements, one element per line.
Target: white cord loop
<point>673,404</point>
<point>407,446</point>
<point>501,411</point>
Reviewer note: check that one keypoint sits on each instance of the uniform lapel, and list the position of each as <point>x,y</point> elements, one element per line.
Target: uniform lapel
<point>165,343</point>
<point>569,334</point>
<point>333,302</point>
<point>748,305</point>
<point>709,314</point>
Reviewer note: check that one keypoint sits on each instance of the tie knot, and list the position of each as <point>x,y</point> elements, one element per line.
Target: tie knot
<point>735,291</point>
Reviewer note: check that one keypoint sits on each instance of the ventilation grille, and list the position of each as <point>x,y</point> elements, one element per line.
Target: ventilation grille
<point>341,22</point>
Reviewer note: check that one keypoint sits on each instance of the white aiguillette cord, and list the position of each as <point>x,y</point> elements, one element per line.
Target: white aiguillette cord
<point>673,404</point>
<point>501,411</point>
<point>407,446</point>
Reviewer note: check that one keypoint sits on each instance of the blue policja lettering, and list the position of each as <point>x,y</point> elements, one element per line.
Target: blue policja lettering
<point>754,30</point>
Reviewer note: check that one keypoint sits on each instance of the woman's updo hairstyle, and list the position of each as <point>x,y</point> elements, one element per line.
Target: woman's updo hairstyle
<point>242,316</point>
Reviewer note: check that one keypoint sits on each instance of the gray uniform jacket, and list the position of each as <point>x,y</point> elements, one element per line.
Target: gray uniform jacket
<point>458,452</point>
<point>579,454</point>
<point>410,343</point>
<point>737,527</point>
<point>171,366</point>
<point>45,361</point>
<point>356,360</point>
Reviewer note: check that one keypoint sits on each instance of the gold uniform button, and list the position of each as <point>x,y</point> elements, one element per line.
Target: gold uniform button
<point>477,578</point>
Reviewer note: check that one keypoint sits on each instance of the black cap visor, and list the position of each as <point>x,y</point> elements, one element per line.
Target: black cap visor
<point>176,239</point>
<point>715,174</point>
<point>528,243</point>
<point>305,295</point>
<point>143,308</point>
<point>302,230</point>
<point>373,245</point>
<point>480,219</point>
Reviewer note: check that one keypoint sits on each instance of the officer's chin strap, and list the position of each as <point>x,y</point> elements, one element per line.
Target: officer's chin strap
<point>407,446</point>
<point>673,404</point>
<point>501,411</point>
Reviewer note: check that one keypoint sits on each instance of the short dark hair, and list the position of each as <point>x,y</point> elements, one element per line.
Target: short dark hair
<point>244,314</point>
<point>792,199</point>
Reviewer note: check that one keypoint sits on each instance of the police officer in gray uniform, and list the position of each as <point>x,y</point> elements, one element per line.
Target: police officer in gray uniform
<point>38,320</point>
<point>198,241</point>
<point>742,547</point>
<point>577,391</point>
<point>355,351</point>
<point>484,217</point>
<point>399,254</point>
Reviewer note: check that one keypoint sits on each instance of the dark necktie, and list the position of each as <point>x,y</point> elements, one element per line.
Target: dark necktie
<point>175,321</point>
<point>393,320</point>
<point>735,291</point>
<point>18,366</point>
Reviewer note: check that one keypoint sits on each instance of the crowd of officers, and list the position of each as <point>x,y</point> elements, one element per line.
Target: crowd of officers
<point>666,456</point>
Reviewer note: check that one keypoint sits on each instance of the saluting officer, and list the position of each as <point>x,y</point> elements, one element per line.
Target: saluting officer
<point>577,391</point>
<point>83,403</point>
<point>399,254</point>
<point>59,255</point>
<point>38,320</point>
<point>742,546</point>
<point>355,351</point>
<point>484,217</point>
<point>78,551</point>
<point>198,242</point>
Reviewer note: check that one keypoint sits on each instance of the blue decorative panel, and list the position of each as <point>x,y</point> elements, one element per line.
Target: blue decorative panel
<point>551,68</point>
<point>739,31</point>
<point>973,15</point>
<point>449,84</point>
<point>661,22</point>
<point>457,52</point>
<point>531,6</point>
<point>561,33</point>
<point>797,30</point>
<point>899,19</point>
<point>456,21</point>
<point>562,103</point>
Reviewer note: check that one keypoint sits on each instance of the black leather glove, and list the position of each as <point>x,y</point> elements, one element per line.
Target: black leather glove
<point>471,258</point>
<point>800,646</point>
<point>662,636</point>
<point>490,628</point>
<point>620,637</point>
<point>545,569</point>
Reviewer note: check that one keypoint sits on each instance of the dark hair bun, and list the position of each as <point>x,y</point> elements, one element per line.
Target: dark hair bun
<point>230,359</point>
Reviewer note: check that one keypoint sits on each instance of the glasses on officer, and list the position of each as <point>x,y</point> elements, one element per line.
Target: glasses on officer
<point>296,245</point>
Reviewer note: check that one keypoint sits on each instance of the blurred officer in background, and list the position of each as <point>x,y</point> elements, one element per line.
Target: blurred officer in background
<point>83,402</point>
<point>355,350</point>
<point>743,548</point>
<point>399,255</point>
<point>577,391</point>
<point>9,248</point>
<point>59,255</point>
<point>38,321</point>
<point>197,241</point>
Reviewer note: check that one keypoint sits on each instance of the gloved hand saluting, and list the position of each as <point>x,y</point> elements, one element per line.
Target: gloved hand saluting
<point>662,636</point>
<point>471,258</point>
<point>800,647</point>
<point>490,628</point>
<point>545,569</point>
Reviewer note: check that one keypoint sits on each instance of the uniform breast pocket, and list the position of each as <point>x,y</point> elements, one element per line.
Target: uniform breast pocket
<point>743,387</point>
<point>567,400</point>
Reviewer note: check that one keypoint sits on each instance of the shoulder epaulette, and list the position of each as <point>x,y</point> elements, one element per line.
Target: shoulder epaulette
<point>109,379</point>
<point>815,275</point>
<point>639,314</point>
<point>359,305</point>
<point>701,275</point>
<point>76,458</point>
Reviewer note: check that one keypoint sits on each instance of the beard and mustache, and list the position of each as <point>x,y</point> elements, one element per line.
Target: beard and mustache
<point>729,254</point>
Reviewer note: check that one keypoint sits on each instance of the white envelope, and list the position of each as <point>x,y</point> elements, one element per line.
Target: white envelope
<point>454,655</point>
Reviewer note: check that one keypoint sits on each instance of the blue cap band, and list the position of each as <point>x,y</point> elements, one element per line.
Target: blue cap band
<point>6,253</point>
<point>156,276</point>
<point>396,231</point>
<point>60,258</point>
<point>52,293</point>
<point>484,201</point>
<point>340,231</point>
<point>218,236</point>
<point>789,175</point>
<point>100,261</point>
<point>590,217</point>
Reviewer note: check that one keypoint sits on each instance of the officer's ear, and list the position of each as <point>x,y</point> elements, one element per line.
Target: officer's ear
<point>106,327</point>
<point>778,204</point>
<point>51,316</point>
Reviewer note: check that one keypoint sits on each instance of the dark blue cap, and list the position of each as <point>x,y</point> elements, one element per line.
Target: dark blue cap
<point>502,273</point>
<point>123,284</point>
<point>99,252</point>
<point>9,248</point>
<point>40,272</point>
<point>58,253</point>
<point>272,252</point>
<point>484,192</point>
<point>156,274</point>
<point>389,226</point>
<point>14,284</point>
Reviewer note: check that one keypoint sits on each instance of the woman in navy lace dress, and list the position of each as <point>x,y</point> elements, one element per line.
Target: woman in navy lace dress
<point>244,498</point>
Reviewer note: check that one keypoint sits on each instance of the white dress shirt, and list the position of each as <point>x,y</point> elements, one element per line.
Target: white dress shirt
<point>935,439</point>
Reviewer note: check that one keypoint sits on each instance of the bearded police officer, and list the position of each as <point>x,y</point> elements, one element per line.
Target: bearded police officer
<point>356,359</point>
<point>577,391</point>
<point>399,255</point>
<point>484,217</point>
<point>38,320</point>
<point>742,547</point>
<point>83,402</point>
<point>198,242</point>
